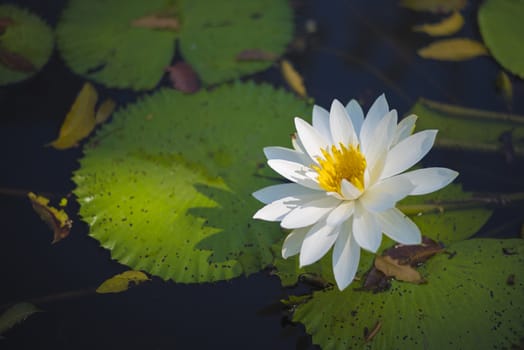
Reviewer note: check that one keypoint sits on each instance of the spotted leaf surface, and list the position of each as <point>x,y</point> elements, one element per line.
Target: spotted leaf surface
<point>167,185</point>
<point>473,300</point>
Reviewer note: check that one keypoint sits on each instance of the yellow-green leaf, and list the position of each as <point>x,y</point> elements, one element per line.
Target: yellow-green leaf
<point>293,79</point>
<point>449,25</point>
<point>57,220</point>
<point>104,111</point>
<point>120,283</point>
<point>16,314</point>
<point>80,120</point>
<point>504,86</point>
<point>458,49</point>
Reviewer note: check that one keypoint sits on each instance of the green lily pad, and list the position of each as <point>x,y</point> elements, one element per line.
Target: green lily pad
<point>98,41</point>
<point>25,45</point>
<point>468,128</point>
<point>473,300</point>
<point>502,29</point>
<point>442,225</point>
<point>167,185</point>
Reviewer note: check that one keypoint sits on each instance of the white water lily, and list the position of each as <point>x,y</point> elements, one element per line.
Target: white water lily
<point>347,175</point>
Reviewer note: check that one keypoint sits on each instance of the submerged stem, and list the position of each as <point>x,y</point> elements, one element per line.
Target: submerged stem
<point>54,297</point>
<point>478,201</point>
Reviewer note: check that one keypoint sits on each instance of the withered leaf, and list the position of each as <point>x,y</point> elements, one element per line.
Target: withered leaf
<point>375,281</point>
<point>504,86</point>
<point>449,25</point>
<point>57,220</point>
<point>293,79</point>
<point>16,62</point>
<point>369,335</point>
<point>121,282</point>
<point>81,118</point>
<point>156,21</point>
<point>183,77</point>
<point>414,254</point>
<point>104,111</point>
<point>457,49</point>
<point>391,268</point>
<point>255,55</point>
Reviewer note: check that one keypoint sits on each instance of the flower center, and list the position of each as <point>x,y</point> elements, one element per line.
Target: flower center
<point>340,163</point>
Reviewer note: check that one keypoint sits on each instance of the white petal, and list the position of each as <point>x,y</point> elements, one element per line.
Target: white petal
<point>293,242</point>
<point>318,241</point>
<point>349,191</point>
<point>340,213</point>
<point>321,122</point>
<point>287,154</point>
<point>408,152</point>
<point>404,128</point>
<point>429,180</point>
<point>309,212</point>
<point>341,127</point>
<point>386,193</point>
<point>311,139</point>
<point>356,114</point>
<point>399,227</point>
<point>366,229</point>
<point>272,193</point>
<point>295,172</point>
<point>375,114</point>
<point>275,211</point>
<point>377,145</point>
<point>346,256</point>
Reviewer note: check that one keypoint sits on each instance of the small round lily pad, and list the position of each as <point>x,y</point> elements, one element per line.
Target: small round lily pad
<point>26,43</point>
<point>167,185</point>
<point>502,29</point>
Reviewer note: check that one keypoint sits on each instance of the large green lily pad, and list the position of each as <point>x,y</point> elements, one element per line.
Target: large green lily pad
<point>502,29</point>
<point>473,300</point>
<point>26,42</point>
<point>167,185</point>
<point>98,40</point>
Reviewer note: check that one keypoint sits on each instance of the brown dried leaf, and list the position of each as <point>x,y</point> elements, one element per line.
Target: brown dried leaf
<point>457,49</point>
<point>256,55</point>
<point>15,61</point>
<point>391,268</point>
<point>447,26</point>
<point>56,219</point>
<point>414,254</point>
<point>293,79</point>
<point>183,77</point>
<point>376,281</point>
<point>156,21</point>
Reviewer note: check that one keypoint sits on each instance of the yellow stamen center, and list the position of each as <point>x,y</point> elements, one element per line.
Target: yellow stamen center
<point>341,163</point>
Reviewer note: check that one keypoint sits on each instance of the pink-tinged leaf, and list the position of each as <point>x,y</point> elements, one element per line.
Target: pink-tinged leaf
<point>15,61</point>
<point>255,55</point>
<point>183,77</point>
<point>157,22</point>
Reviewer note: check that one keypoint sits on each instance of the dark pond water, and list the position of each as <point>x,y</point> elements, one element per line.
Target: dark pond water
<point>362,48</point>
